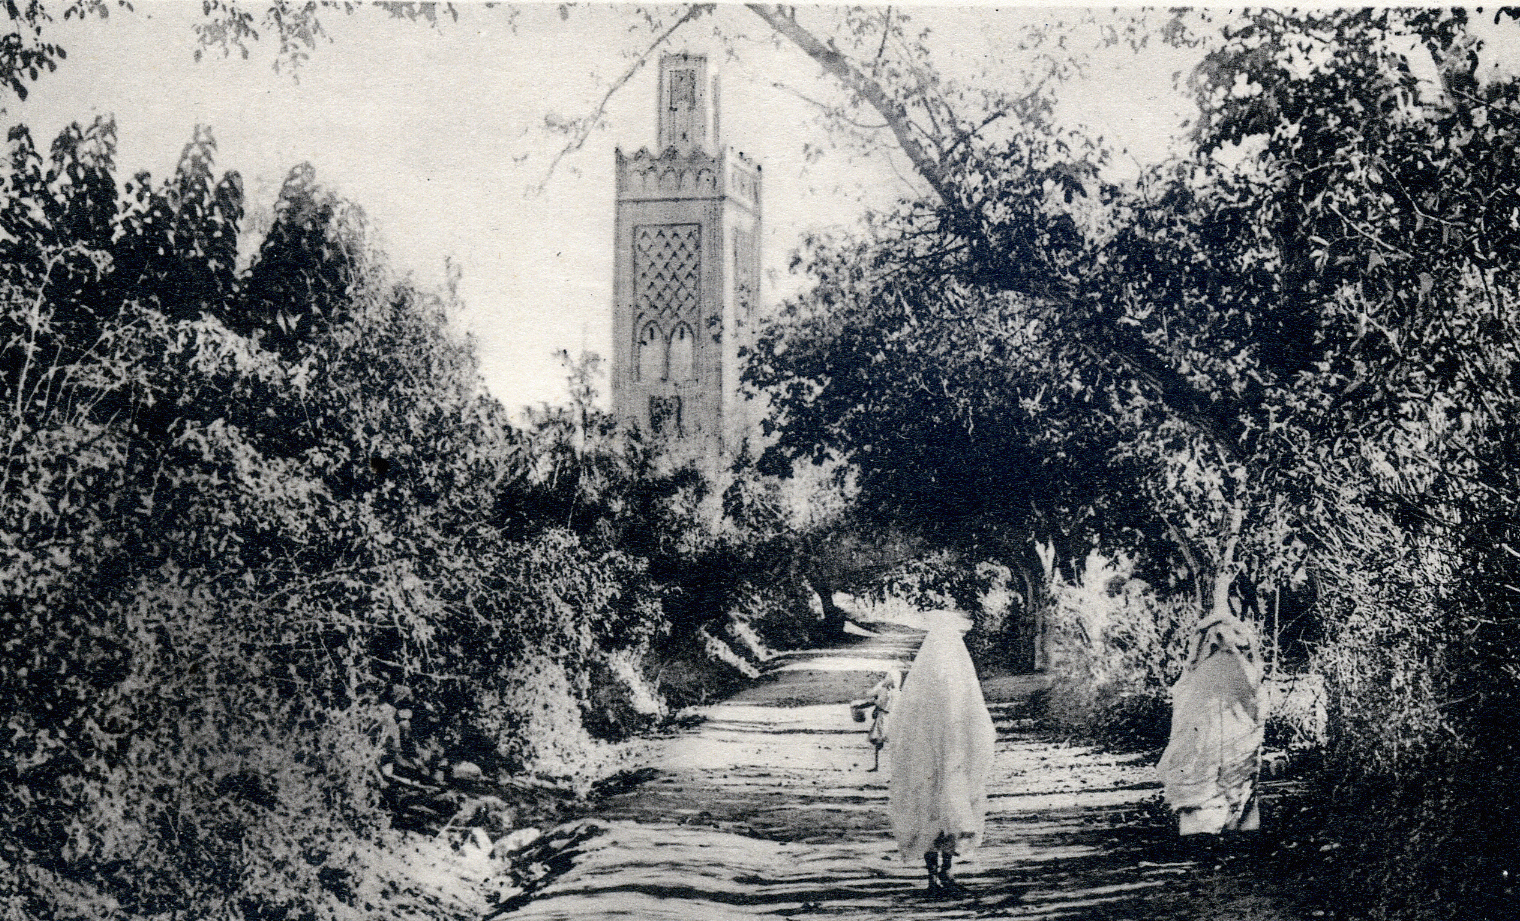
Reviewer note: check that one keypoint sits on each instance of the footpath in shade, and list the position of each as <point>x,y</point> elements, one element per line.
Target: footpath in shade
<point>768,809</point>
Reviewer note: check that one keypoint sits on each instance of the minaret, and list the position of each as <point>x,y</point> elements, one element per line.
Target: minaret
<point>687,273</point>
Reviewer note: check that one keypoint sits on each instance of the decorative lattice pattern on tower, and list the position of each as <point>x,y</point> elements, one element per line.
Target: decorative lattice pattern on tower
<point>667,269</point>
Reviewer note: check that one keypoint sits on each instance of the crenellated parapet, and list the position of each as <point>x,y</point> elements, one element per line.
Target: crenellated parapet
<point>693,174</point>
<point>743,179</point>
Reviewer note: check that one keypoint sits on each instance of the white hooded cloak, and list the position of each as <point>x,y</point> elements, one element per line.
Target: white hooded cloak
<point>942,739</point>
<point>1210,765</point>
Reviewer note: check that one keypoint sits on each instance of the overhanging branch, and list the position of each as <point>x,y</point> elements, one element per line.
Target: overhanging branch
<point>835,63</point>
<point>1099,337</point>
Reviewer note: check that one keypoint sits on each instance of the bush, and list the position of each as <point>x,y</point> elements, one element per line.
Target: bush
<point>1115,650</point>
<point>1420,746</point>
<point>248,516</point>
<point>235,520</point>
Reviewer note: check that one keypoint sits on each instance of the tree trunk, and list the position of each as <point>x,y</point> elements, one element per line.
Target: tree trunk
<point>834,617</point>
<point>1032,602</point>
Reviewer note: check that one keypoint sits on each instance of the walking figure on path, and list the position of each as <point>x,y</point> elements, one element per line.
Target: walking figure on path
<point>942,740</point>
<point>879,700</point>
<point>1211,763</point>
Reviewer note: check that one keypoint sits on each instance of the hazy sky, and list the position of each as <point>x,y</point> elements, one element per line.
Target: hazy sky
<point>439,135</point>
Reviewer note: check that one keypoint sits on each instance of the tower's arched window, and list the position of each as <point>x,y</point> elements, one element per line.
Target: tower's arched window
<point>649,363</point>
<point>683,364</point>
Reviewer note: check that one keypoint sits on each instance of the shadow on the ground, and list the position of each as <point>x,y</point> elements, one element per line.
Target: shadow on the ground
<point>768,809</point>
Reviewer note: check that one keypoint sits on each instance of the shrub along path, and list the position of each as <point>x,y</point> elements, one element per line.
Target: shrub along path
<point>767,809</point>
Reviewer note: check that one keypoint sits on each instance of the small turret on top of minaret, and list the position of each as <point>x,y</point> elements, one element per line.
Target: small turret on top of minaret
<point>688,104</point>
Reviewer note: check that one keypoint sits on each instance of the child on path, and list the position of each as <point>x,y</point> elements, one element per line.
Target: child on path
<point>880,699</point>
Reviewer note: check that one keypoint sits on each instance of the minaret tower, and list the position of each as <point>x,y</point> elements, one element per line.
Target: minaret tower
<point>687,274</point>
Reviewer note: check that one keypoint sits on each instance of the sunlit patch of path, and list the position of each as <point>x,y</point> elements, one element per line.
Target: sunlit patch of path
<point>767,810</point>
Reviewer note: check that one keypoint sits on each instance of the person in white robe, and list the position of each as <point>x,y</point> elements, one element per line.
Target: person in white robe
<point>1212,760</point>
<point>941,756</point>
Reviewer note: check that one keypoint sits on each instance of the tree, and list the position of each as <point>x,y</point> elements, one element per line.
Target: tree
<point>1391,446</point>
<point>299,280</point>
<point>28,53</point>
<point>1303,342</point>
<point>1292,346</point>
<point>220,563</point>
<point>942,399</point>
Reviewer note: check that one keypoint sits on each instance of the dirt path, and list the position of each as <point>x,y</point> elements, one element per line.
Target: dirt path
<point>767,809</point>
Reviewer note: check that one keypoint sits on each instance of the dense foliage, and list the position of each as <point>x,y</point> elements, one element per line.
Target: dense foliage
<point>264,534</point>
<point>1285,359</point>
<point>1277,372</point>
